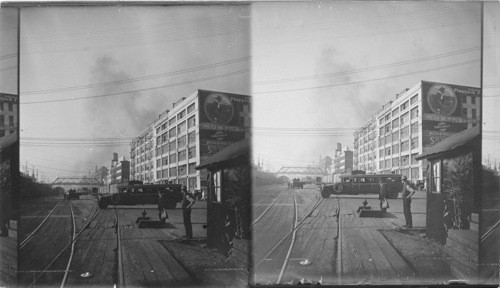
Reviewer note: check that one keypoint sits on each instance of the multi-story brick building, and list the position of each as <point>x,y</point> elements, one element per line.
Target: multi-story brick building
<point>8,114</point>
<point>418,118</point>
<point>142,156</point>
<point>195,128</point>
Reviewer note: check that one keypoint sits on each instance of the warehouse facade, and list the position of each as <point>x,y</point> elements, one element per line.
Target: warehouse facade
<point>418,118</point>
<point>196,127</point>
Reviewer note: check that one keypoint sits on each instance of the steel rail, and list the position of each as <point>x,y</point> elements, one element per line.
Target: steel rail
<point>65,247</point>
<point>73,236</point>
<point>339,243</point>
<point>320,200</point>
<point>121,279</point>
<point>295,222</point>
<point>269,207</point>
<point>28,239</point>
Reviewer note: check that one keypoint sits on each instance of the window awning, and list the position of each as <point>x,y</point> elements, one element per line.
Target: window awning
<point>229,153</point>
<point>451,143</point>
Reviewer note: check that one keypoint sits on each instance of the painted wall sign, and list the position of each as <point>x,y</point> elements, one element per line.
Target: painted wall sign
<point>448,109</point>
<point>224,120</point>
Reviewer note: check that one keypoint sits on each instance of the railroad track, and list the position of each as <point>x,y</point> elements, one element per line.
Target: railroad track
<point>32,234</point>
<point>269,207</point>
<point>282,242</point>
<point>56,260</point>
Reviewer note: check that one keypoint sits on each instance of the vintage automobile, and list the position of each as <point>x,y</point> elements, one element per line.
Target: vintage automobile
<point>73,194</point>
<point>133,194</point>
<point>365,184</point>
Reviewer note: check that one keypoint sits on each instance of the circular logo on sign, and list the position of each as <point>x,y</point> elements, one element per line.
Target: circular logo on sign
<point>442,99</point>
<point>219,108</point>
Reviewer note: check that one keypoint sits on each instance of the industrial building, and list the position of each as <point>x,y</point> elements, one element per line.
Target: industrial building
<point>195,128</point>
<point>8,114</point>
<point>417,119</point>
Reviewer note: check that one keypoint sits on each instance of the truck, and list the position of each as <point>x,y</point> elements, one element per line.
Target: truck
<point>297,184</point>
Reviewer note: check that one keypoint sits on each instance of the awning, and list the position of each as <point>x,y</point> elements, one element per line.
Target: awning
<point>8,140</point>
<point>229,153</point>
<point>451,143</point>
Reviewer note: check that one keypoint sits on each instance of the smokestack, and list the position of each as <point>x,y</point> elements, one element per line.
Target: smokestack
<point>115,156</point>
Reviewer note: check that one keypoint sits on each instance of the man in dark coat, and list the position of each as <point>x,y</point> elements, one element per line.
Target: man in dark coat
<point>187,201</point>
<point>408,192</point>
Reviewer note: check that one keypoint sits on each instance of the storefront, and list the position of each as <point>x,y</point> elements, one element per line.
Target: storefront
<point>229,201</point>
<point>453,199</point>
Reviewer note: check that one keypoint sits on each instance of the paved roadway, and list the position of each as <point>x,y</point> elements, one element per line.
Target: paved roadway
<point>365,257</point>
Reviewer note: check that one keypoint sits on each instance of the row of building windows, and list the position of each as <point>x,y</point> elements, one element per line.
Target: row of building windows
<point>178,117</point>
<point>182,155</point>
<point>176,145</point>
<point>404,146</point>
<point>404,160</point>
<point>181,140</point>
<point>401,108</point>
<point>9,106</point>
<point>401,121</point>
<point>181,170</point>
<point>2,121</point>
<point>181,128</point>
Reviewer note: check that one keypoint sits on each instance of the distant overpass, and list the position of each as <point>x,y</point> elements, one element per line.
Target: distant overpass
<point>74,182</point>
<point>301,172</point>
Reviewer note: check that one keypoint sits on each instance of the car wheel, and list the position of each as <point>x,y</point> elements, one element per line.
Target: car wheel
<point>338,188</point>
<point>115,199</point>
<point>103,204</point>
<point>325,192</point>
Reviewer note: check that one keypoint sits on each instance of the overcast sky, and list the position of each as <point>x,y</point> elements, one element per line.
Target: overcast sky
<point>320,70</point>
<point>93,78</point>
<point>8,50</point>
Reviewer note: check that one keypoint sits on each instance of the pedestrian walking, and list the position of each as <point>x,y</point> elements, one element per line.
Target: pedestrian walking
<point>382,196</point>
<point>162,207</point>
<point>187,201</point>
<point>408,192</point>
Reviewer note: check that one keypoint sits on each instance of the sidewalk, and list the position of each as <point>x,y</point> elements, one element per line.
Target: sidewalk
<point>377,251</point>
<point>162,257</point>
<point>8,257</point>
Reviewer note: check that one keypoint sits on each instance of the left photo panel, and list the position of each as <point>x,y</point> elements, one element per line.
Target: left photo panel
<point>9,144</point>
<point>135,145</point>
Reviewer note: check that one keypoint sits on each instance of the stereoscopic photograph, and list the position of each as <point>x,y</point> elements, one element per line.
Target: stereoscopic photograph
<point>242,144</point>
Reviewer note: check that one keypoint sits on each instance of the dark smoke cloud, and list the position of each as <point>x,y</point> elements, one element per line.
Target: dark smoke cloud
<point>349,105</point>
<point>123,115</point>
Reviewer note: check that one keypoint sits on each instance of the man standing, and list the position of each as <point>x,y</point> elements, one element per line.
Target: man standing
<point>187,201</point>
<point>408,192</point>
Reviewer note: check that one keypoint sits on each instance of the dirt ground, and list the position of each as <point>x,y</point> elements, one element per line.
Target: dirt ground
<point>206,266</point>
<point>423,255</point>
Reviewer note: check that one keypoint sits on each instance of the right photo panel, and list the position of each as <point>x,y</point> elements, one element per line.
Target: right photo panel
<point>374,143</point>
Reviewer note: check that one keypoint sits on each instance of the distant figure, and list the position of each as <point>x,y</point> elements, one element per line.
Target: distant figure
<point>162,207</point>
<point>187,201</point>
<point>408,192</point>
<point>382,196</point>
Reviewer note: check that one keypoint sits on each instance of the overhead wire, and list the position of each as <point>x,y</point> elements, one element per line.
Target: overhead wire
<point>383,66</point>
<point>370,80</point>
<point>140,90</point>
<point>131,80</point>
